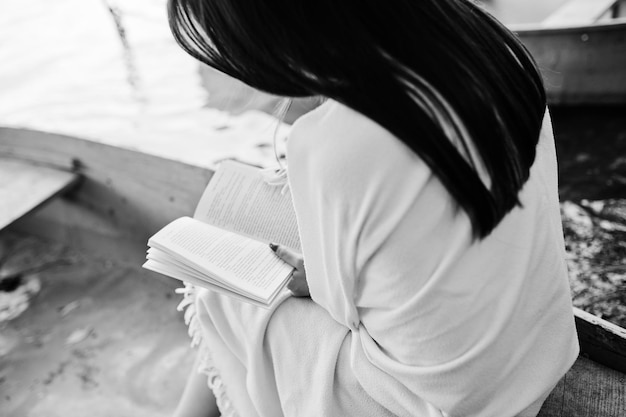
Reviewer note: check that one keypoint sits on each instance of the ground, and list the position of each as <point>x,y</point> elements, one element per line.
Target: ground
<point>87,337</point>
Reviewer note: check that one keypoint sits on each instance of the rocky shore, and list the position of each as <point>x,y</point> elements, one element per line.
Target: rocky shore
<point>591,147</point>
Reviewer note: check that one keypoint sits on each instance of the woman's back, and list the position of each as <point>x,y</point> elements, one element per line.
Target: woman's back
<point>391,256</point>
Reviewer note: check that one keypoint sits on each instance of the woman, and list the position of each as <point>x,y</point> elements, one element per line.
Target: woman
<point>426,197</point>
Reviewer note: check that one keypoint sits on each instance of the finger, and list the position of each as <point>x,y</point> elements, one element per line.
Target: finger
<point>298,285</point>
<point>292,258</point>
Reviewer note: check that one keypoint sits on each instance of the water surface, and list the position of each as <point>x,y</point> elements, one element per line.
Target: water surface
<point>66,68</point>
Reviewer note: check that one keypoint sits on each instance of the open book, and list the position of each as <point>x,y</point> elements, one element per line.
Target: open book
<point>224,247</point>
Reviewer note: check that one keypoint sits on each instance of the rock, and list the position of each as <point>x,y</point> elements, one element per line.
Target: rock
<point>14,303</point>
<point>79,335</point>
<point>576,219</point>
<point>69,307</point>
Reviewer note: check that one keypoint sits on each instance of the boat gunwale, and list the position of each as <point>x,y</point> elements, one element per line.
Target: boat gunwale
<point>600,340</point>
<point>537,29</point>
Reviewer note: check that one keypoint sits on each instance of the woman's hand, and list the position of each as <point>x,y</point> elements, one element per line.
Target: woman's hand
<point>297,284</point>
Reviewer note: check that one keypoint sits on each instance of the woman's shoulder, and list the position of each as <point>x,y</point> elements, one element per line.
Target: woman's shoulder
<point>334,131</point>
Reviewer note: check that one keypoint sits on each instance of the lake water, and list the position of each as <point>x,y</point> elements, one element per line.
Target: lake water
<point>66,69</point>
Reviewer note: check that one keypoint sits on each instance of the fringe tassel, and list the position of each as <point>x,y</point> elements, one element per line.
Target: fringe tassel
<point>188,305</point>
<point>216,384</point>
<point>206,366</point>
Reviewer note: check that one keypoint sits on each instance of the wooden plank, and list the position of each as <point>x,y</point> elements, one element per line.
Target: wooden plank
<point>601,341</point>
<point>596,384</point>
<point>579,12</point>
<point>594,390</point>
<point>25,187</point>
<point>588,389</point>
<point>125,195</point>
<point>580,65</point>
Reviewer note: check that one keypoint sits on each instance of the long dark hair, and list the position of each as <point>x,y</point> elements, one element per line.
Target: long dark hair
<point>432,72</point>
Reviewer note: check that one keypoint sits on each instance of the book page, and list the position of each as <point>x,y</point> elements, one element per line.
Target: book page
<point>165,268</point>
<point>238,199</point>
<point>245,265</point>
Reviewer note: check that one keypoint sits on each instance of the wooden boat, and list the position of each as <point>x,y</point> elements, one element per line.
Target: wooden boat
<point>581,51</point>
<point>124,196</point>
